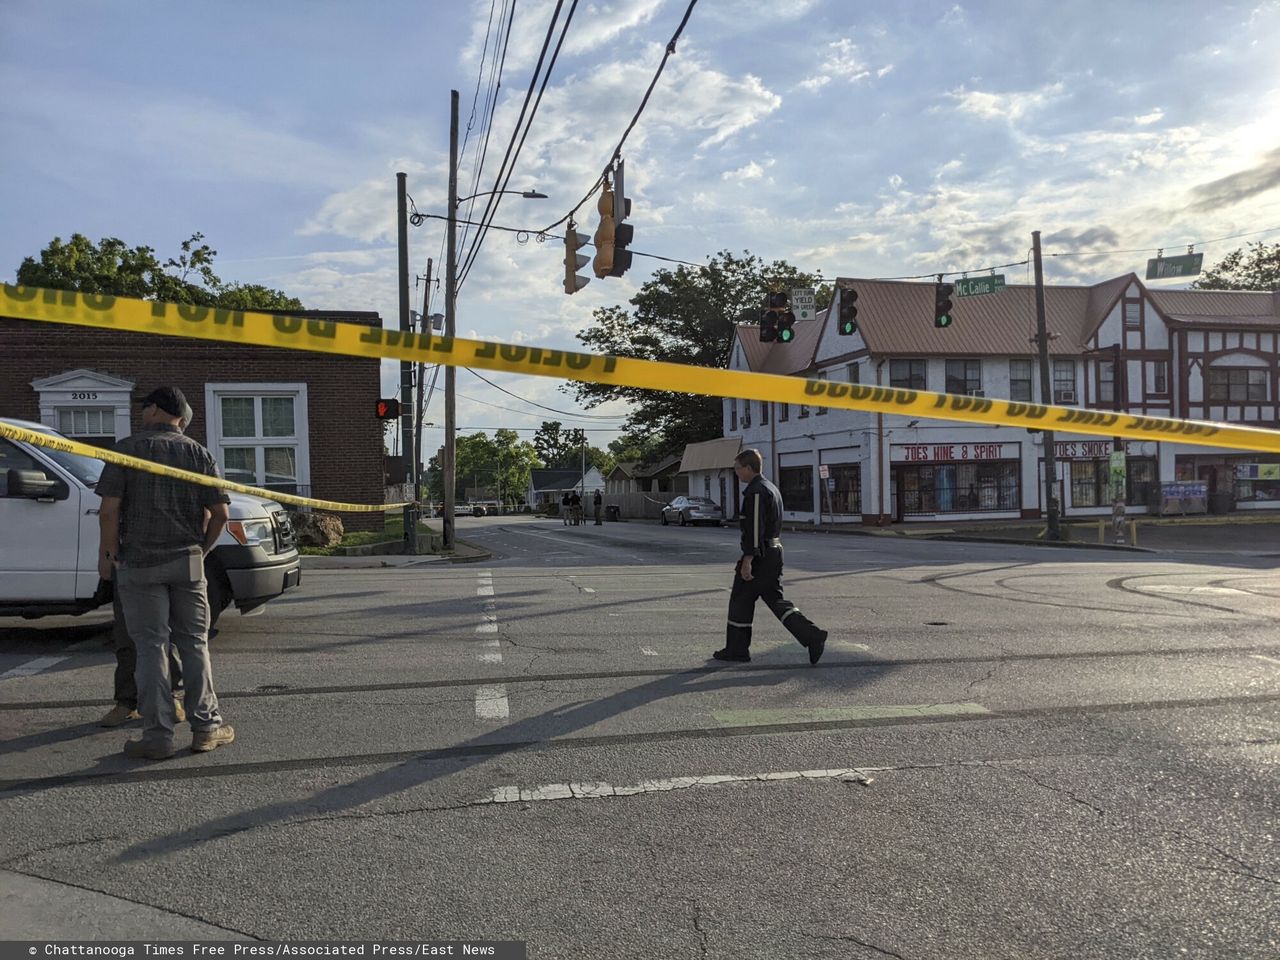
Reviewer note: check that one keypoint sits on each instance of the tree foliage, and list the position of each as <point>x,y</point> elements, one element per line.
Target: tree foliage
<point>686,315</point>
<point>501,463</point>
<point>1254,267</point>
<point>563,449</point>
<point>111,266</point>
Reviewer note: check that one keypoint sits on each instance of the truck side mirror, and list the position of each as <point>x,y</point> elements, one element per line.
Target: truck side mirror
<point>36,485</point>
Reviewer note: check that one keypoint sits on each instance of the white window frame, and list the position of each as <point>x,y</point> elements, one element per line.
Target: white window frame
<point>218,445</point>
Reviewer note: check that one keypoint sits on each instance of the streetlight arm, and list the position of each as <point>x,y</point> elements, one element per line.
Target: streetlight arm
<point>527,194</point>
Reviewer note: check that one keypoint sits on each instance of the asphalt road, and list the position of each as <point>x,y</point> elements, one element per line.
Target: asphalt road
<point>1007,751</point>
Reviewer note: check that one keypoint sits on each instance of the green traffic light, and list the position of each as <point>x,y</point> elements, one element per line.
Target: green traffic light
<point>943,320</point>
<point>786,335</point>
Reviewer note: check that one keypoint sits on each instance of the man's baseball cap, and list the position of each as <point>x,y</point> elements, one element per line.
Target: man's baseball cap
<point>169,399</point>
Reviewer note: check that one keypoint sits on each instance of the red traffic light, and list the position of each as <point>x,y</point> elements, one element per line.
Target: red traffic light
<point>388,409</point>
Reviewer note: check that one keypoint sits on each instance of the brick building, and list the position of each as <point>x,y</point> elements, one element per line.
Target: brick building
<point>286,420</point>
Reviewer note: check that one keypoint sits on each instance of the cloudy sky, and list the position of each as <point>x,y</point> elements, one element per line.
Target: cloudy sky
<point>868,139</point>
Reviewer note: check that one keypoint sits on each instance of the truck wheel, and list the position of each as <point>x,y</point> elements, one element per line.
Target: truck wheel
<point>219,591</point>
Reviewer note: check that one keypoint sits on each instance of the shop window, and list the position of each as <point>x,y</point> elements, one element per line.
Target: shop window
<point>907,374</point>
<point>960,487</point>
<point>846,498</point>
<point>796,486</point>
<point>1020,380</point>
<point>1237,384</point>
<point>1256,479</point>
<point>1091,482</point>
<point>964,377</point>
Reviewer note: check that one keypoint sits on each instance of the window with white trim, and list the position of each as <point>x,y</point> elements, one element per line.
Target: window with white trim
<point>91,424</point>
<point>259,434</point>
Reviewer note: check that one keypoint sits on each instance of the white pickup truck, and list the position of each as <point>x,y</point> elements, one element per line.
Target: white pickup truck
<point>49,538</point>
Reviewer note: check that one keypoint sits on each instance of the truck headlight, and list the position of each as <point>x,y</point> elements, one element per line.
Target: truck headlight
<point>250,533</point>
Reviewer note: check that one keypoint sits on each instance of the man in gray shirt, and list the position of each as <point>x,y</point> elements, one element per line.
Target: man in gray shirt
<point>153,540</point>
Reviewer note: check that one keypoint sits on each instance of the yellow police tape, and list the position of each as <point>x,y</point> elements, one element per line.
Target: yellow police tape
<point>348,339</point>
<point>110,456</point>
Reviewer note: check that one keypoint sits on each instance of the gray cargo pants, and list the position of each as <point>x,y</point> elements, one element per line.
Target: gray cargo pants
<point>167,604</point>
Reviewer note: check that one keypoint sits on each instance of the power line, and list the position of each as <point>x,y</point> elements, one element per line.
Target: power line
<point>491,106</point>
<point>523,413</point>
<point>495,197</point>
<point>525,429</point>
<point>563,413</point>
<point>542,237</point>
<point>617,151</point>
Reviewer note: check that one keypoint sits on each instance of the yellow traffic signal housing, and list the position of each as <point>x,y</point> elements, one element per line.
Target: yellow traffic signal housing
<point>605,234</point>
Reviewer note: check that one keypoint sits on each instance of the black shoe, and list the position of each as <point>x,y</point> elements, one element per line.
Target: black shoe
<point>816,647</point>
<point>732,656</point>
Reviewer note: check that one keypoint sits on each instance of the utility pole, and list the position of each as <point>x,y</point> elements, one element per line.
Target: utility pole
<point>1046,396</point>
<point>407,457</point>
<point>450,326</point>
<point>421,398</point>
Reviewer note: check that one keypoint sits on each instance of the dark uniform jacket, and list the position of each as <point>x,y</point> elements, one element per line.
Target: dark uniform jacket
<point>761,515</point>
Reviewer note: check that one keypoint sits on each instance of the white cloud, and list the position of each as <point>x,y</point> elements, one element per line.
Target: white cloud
<point>1149,118</point>
<point>843,63</point>
<point>752,171</point>
<point>1012,107</point>
<point>896,181</point>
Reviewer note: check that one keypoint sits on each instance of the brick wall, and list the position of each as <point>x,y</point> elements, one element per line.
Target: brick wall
<point>345,438</point>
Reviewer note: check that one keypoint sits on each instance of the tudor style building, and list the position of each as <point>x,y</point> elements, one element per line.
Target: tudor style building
<point>1115,346</point>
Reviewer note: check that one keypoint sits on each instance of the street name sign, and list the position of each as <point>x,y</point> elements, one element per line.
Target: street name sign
<point>804,303</point>
<point>977,286</point>
<point>1187,265</point>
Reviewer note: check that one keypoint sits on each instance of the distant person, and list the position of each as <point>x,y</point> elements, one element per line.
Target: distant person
<point>566,509</point>
<point>154,533</point>
<point>598,502</point>
<point>758,574</point>
<point>575,504</point>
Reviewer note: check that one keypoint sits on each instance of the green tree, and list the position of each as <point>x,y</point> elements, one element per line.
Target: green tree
<point>111,266</point>
<point>501,463</point>
<point>565,449</point>
<point>686,315</point>
<point>1255,267</point>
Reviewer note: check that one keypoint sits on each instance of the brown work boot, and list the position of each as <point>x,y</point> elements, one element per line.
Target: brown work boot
<point>180,713</point>
<point>205,740</point>
<point>118,715</point>
<point>149,749</point>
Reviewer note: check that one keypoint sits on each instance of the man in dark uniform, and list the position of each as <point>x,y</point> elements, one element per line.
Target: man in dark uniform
<point>758,575</point>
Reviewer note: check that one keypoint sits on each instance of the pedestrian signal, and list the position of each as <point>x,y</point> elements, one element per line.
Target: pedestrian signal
<point>388,409</point>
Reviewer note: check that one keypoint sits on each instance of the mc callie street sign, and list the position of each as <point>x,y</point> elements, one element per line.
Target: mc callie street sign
<point>976,286</point>
<point>1187,265</point>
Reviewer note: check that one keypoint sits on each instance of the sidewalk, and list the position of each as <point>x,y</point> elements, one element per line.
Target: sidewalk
<point>1253,533</point>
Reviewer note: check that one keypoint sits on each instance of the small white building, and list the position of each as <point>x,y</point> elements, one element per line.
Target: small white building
<point>1115,346</point>
<point>709,468</point>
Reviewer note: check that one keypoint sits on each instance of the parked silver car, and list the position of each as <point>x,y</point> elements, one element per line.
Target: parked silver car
<point>687,510</point>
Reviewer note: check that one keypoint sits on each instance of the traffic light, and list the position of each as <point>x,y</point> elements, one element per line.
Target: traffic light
<point>942,304</point>
<point>781,304</point>
<point>848,311</point>
<point>573,260</point>
<point>777,320</point>
<point>768,326</point>
<point>388,409</point>
<point>605,233</point>
<point>623,233</point>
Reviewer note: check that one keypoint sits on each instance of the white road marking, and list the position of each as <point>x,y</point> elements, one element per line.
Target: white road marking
<point>31,667</point>
<point>485,591</point>
<point>1177,588</point>
<point>487,628</point>
<point>597,789</point>
<point>1259,656</point>
<point>649,651</point>
<point>491,658</point>
<point>586,589</point>
<point>491,702</point>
